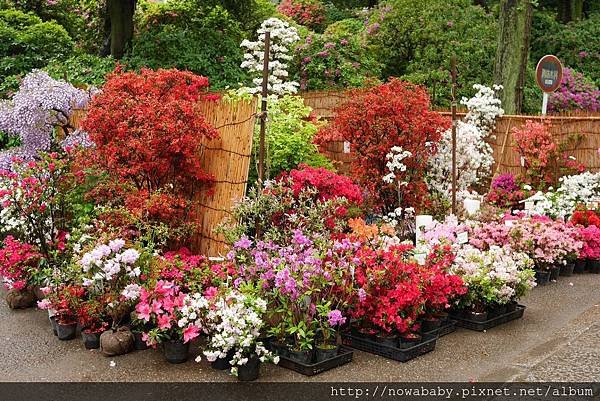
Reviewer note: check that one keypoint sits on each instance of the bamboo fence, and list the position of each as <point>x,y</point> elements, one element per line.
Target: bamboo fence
<point>578,132</point>
<point>227,159</point>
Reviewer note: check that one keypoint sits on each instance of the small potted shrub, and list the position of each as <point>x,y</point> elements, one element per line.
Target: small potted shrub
<point>495,278</point>
<point>329,320</point>
<point>65,300</point>
<point>18,263</point>
<point>174,317</point>
<point>235,322</point>
<point>93,322</point>
<point>591,247</point>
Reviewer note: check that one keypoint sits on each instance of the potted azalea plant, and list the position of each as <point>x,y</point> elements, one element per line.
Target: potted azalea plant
<point>329,323</point>
<point>235,322</point>
<point>18,264</point>
<point>65,301</point>
<point>93,320</point>
<point>174,317</point>
<point>591,247</point>
<point>495,278</point>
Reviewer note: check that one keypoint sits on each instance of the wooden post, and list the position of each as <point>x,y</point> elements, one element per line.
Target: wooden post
<point>263,109</point>
<point>453,75</point>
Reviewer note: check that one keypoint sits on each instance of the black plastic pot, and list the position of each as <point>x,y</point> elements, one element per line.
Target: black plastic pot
<point>496,310</point>
<point>567,270</point>
<point>511,306</point>
<point>54,325</point>
<point>304,357</point>
<point>324,354</point>
<point>430,324</point>
<point>138,343</point>
<point>249,372</point>
<point>594,266</point>
<point>223,363</point>
<point>409,341</point>
<point>390,340</point>
<point>542,277</point>
<point>91,340</point>
<point>579,266</point>
<point>554,272</point>
<point>176,351</point>
<point>66,332</point>
<point>476,316</point>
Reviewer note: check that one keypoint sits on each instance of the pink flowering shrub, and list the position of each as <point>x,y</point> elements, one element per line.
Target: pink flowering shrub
<point>490,234</point>
<point>169,311</point>
<point>310,13</point>
<point>18,263</point>
<point>591,242</point>
<point>575,93</point>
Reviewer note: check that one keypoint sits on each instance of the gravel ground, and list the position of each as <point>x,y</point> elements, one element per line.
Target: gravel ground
<point>557,339</point>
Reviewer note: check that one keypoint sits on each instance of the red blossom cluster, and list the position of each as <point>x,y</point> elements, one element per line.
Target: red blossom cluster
<point>542,157</point>
<point>374,120</point>
<point>585,218</point>
<point>328,184</point>
<point>148,128</point>
<point>310,13</point>
<point>17,261</point>
<point>394,290</point>
<point>184,268</point>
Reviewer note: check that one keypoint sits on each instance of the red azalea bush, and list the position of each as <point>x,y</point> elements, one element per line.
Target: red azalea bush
<point>328,184</point>
<point>310,13</point>
<point>538,149</point>
<point>591,242</point>
<point>376,119</point>
<point>585,218</point>
<point>18,263</point>
<point>440,287</point>
<point>148,129</point>
<point>544,161</point>
<point>394,290</point>
<point>66,301</point>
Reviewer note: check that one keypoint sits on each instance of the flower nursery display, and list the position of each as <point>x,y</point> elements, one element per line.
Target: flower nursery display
<point>118,221</point>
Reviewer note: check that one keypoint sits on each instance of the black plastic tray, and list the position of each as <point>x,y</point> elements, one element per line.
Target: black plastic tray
<point>449,326</point>
<point>461,321</point>
<point>395,353</point>
<point>344,356</point>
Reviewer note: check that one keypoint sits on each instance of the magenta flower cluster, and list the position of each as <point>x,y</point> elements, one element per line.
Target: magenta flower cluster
<point>575,93</point>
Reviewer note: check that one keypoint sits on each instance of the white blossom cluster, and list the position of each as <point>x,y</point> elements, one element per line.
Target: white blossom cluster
<point>109,261</point>
<point>193,311</point>
<point>484,107</point>
<point>474,156</point>
<point>573,190</point>
<point>234,324</point>
<point>283,36</point>
<point>394,164</point>
<point>474,160</point>
<point>499,273</point>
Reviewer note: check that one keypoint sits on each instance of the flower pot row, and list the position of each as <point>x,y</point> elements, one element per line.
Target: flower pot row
<point>545,276</point>
<point>494,316</point>
<point>399,348</point>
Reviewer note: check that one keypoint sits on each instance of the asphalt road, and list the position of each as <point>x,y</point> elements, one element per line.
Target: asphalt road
<point>557,339</point>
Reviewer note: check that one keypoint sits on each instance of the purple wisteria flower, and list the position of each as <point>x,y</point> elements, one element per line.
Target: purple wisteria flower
<point>41,104</point>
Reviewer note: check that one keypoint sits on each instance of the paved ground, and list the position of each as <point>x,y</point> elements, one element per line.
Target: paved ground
<point>558,339</point>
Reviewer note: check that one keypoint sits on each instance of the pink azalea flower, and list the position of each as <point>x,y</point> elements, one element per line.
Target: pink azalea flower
<point>156,307</point>
<point>142,310</point>
<point>190,332</point>
<point>164,322</point>
<point>210,292</point>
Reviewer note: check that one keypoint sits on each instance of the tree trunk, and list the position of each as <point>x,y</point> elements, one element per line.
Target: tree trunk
<point>121,25</point>
<point>576,10</point>
<point>513,51</point>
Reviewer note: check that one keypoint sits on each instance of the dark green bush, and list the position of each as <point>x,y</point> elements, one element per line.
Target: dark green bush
<point>27,43</point>
<point>82,69</point>
<point>416,43</point>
